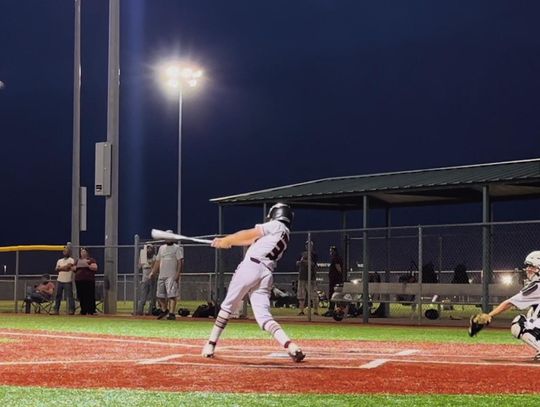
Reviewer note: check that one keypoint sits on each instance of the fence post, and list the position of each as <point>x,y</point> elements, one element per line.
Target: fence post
<point>15,282</point>
<point>365,261</point>
<point>135,272</point>
<point>420,276</point>
<point>440,257</point>
<point>310,266</point>
<point>486,248</point>
<point>125,287</point>
<point>210,288</point>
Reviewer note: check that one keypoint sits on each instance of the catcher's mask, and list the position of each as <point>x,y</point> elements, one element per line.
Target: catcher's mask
<point>532,266</point>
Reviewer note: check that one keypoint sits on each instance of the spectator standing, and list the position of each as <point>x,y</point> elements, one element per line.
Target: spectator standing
<point>428,274</point>
<point>335,274</point>
<point>460,275</point>
<point>169,264</point>
<point>302,288</point>
<point>64,282</point>
<point>148,283</point>
<point>85,282</point>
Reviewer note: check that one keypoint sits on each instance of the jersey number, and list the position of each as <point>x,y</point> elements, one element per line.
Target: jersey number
<point>280,247</point>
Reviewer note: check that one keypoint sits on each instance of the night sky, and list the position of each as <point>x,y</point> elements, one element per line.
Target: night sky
<point>294,91</point>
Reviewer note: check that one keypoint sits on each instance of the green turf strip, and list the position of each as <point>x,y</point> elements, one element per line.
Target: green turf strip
<point>37,396</point>
<point>190,329</point>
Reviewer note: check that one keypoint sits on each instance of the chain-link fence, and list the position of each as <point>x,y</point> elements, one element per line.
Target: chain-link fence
<point>443,271</point>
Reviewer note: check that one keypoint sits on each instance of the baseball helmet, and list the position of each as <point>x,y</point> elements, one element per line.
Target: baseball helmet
<point>281,212</point>
<point>431,313</point>
<point>533,259</point>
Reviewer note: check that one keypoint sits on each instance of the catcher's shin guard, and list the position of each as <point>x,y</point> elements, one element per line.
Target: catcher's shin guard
<point>518,326</point>
<point>530,336</point>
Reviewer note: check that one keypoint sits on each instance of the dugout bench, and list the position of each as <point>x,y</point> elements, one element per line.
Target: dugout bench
<point>427,294</point>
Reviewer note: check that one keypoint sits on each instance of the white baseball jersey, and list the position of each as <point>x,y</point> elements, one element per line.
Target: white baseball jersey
<point>269,248</point>
<point>168,257</point>
<point>529,296</point>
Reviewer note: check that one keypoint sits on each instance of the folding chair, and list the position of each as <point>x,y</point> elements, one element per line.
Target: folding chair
<point>39,307</point>
<point>100,295</point>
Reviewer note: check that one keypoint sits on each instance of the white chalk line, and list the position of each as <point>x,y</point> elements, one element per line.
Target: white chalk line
<point>407,352</point>
<point>101,339</point>
<point>255,350</point>
<point>292,365</point>
<point>159,360</point>
<point>63,362</point>
<point>379,362</point>
<point>311,356</point>
<point>374,363</point>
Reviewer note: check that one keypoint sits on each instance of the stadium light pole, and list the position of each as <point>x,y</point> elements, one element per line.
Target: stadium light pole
<point>178,76</point>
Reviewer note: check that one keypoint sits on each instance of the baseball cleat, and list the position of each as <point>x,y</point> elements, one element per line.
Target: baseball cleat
<point>296,353</point>
<point>297,356</point>
<point>537,357</point>
<point>162,314</point>
<point>208,351</point>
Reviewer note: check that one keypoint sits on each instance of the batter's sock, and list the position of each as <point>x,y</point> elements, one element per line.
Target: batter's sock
<point>274,329</point>
<point>220,324</point>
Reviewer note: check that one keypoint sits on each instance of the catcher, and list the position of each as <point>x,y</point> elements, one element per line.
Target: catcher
<point>526,328</point>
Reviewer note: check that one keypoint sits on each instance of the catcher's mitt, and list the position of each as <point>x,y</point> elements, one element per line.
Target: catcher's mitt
<point>477,323</point>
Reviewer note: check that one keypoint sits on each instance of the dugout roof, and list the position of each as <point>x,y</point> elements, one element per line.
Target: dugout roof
<point>505,181</point>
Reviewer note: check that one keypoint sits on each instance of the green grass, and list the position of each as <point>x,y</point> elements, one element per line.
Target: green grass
<point>199,329</point>
<point>35,396</point>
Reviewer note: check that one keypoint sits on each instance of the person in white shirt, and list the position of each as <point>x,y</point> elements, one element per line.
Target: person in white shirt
<point>64,282</point>
<point>526,327</point>
<point>147,287</point>
<point>267,242</point>
<point>169,264</point>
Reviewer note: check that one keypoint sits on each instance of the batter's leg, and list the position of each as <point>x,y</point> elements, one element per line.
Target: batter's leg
<point>243,279</point>
<point>260,303</point>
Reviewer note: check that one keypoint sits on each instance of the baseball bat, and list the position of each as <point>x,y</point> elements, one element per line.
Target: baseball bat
<point>162,235</point>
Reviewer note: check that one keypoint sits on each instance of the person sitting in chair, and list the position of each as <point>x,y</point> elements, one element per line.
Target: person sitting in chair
<point>41,292</point>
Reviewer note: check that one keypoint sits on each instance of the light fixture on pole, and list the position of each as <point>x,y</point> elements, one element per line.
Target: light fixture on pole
<point>177,77</point>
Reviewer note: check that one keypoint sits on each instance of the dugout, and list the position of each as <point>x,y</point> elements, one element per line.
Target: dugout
<point>482,184</point>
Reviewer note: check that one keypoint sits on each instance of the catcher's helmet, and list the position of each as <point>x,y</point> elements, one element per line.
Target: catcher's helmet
<point>281,212</point>
<point>533,259</point>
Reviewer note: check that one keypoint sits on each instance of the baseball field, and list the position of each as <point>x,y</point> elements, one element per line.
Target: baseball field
<point>100,360</point>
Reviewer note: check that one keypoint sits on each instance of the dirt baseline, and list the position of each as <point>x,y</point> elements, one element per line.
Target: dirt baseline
<point>101,361</point>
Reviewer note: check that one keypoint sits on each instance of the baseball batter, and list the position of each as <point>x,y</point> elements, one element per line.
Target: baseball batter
<point>253,276</point>
<point>524,327</point>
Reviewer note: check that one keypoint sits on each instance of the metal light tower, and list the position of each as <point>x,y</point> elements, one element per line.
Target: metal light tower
<point>176,77</point>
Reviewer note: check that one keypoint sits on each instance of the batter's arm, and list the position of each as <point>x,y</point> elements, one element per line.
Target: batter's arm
<point>240,238</point>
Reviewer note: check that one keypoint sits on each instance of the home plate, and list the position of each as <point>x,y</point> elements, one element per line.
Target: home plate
<point>279,355</point>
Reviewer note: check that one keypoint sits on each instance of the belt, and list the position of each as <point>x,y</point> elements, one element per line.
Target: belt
<point>257,261</point>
